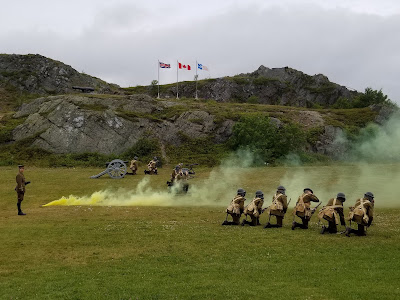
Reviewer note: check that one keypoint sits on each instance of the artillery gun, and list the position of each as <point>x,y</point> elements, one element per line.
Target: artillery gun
<point>116,169</point>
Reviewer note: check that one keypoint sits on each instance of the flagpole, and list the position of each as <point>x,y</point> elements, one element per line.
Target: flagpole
<point>177,91</point>
<point>196,78</point>
<point>158,81</point>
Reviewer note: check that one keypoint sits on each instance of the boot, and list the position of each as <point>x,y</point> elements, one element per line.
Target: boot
<point>244,222</point>
<point>20,213</point>
<point>225,222</point>
<point>348,231</point>
<point>294,225</point>
<point>323,229</point>
<point>268,225</point>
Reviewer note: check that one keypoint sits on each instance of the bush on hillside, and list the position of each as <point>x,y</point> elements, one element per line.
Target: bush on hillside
<point>267,142</point>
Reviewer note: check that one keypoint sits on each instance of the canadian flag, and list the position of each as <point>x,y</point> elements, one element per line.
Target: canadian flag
<point>186,67</point>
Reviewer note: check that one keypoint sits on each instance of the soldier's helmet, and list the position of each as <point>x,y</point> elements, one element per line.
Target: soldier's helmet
<point>308,189</point>
<point>177,168</point>
<point>155,158</point>
<point>259,194</point>
<point>135,158</point>
<point>281,189</point>
<point>341,196</point>
<point>369,195</point>
<point>241,192</point>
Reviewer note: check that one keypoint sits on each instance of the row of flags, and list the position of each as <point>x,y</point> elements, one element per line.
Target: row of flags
<point>183,66</point>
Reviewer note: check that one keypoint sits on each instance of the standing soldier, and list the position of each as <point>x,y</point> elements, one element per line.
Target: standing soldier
<point>134,165</point>
<point>254,209</point>
<point>20,188</point>
<point>152,166</point>
<point>303,208</point>
<point>362,213</point>
<point>235,209</point>
<point>278,208</point>
<point>333,212</point>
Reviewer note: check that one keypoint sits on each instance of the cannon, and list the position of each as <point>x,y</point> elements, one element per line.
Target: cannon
<point>116,169</point>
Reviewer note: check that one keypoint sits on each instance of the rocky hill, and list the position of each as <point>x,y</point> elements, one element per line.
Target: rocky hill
<point>277,86</point>
<point>36,74</point>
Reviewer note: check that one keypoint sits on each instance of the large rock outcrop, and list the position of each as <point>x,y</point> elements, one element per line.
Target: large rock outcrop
<point>280,86</point>
<point>75,124</point>
<point>37,74</point>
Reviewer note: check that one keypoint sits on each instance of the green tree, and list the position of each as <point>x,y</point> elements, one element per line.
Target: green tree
<point>265,139</point>
<point>370,97</point>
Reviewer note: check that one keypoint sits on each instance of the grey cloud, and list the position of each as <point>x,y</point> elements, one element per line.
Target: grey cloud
<point>356,50</point>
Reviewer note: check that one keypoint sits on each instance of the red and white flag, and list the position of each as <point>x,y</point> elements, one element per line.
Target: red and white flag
<point>185,67</point>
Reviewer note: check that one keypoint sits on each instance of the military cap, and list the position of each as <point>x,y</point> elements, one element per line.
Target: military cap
<point>308,189</point>
<point>341,195</point>
<point>21,166</point>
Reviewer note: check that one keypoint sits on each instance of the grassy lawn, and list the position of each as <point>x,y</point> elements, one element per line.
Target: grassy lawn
<point>182,251</point>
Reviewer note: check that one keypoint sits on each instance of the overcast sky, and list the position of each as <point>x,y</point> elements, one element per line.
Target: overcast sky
<point>353,42</point>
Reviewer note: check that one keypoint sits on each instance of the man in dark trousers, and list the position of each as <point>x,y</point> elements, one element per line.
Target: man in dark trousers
<point>20,188</point>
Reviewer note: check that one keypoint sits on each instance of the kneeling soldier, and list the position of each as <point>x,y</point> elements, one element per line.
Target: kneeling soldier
<point>303,208</point>
<point>333,212</point>
<point>362,213</point>
<point>278,208</point>
<point>235,209</point>
<point>254,209</point>
<point>152,166</point>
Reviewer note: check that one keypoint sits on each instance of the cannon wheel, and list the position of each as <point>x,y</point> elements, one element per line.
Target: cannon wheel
<point>116,169</point>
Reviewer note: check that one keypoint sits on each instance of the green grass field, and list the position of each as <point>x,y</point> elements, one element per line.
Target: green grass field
<point>182,251</point>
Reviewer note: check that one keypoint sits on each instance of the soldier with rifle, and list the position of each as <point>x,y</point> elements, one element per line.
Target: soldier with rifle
<point>235,208</point>
<point>20,188</point>
<point>254,210</point>
<point>278,208</point>
<point>303,208</point>
<point>333,213</point>
<point>362,213</point>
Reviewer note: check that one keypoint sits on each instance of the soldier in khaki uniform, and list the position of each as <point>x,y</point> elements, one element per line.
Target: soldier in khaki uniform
<point>362,213</point>
<point>254,210</point>
<point>278,208</point>
<point>152,166</point>
<point>333,213</point>
<point>236,208</point>
<point>20,188</point>
<point>134,165</point>
<point>303,208</point>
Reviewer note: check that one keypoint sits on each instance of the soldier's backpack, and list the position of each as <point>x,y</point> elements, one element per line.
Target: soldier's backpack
<point>329,213</point>
<point>301,210</point>
<point>359,213</point>
<point>276,206</point>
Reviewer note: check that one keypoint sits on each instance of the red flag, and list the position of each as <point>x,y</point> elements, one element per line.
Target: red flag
<point>186,67</point>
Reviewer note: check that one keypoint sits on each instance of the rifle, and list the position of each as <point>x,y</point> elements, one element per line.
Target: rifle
<point>315,209</point>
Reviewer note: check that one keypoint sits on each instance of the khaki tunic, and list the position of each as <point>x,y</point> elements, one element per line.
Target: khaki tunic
<point>333,212</point>
<point>362,212</point>
<point>303,205</point>
<point>236,206</point>
<point>279,205</point>
<point>152,165</point>
<point>20,188</point>
<point>254,208</point>
<point>134,165</point>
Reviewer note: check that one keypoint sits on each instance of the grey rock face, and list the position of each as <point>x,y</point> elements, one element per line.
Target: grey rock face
<point>332,142</point>
<point>279,86</point>
<point>37,74</point>
<point>75,124</point>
